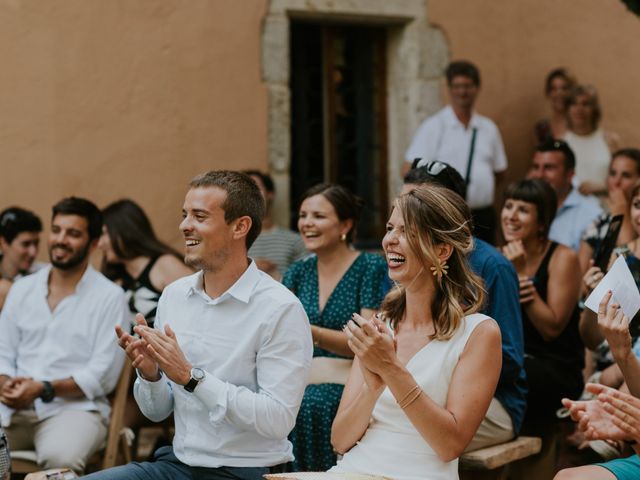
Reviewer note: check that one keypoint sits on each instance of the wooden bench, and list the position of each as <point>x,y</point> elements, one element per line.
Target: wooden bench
<point>490,463</point>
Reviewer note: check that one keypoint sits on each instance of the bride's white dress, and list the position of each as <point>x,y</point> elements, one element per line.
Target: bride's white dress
<point>392,446</point>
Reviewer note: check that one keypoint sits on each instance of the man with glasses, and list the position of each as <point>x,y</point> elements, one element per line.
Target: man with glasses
<point>554,162</point>
<point>469,142</point>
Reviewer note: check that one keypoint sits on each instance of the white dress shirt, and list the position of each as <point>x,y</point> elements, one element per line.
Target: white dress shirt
<point>443,137</point>
<point>76,339</point>
<point>254,343</point>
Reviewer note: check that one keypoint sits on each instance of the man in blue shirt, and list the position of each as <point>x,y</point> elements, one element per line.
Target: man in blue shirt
<point>554,162</point>
<point>506,412</point>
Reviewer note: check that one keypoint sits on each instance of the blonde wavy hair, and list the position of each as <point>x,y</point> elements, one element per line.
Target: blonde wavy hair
<point>434,215</point>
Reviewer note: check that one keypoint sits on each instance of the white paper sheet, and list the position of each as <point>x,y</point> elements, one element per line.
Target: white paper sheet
<point>625,292</point>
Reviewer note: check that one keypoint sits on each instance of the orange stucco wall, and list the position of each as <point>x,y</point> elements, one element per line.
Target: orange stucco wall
<point>108,99</point>
<point>129,98</point>
<point>515,44</point>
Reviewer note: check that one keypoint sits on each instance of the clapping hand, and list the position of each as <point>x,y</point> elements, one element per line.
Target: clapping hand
<point>623,408</point>
<point>612,416</point>
<point>137,351</point>
<point>163,349</point>
<point>373,344</point>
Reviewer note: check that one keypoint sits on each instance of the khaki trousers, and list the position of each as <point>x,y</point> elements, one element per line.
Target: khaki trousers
<point>496,427</point>
<point>67,439</point>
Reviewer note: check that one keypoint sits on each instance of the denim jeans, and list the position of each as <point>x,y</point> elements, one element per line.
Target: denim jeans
<point>165,466</point>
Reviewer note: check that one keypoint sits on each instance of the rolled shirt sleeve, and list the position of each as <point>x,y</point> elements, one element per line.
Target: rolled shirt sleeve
<point>9,336</point>
<point>99,375</point>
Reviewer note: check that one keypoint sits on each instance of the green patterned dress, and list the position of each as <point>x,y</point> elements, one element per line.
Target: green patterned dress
<point>362,286</point>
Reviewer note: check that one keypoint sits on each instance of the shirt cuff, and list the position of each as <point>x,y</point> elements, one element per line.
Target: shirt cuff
<point>89,385</point>
<point>213,393</point>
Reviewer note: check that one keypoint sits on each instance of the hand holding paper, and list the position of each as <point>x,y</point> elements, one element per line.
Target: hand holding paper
<point>625,292</point>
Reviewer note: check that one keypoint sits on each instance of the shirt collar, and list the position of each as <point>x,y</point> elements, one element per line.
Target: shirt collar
<point>45,272</point>
<point>572,199</point>
<point>241,290</point>
<point>453,121</point>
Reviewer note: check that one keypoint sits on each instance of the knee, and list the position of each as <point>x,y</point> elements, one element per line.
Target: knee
<point>568,474</point>
<point>62,458</point>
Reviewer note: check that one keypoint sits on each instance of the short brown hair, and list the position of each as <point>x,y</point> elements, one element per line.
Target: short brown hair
<point>243,198</point>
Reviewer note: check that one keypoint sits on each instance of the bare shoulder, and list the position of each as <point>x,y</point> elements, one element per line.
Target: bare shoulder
<point>485,340</point>
<point>167,269</point>
<point>564,259</point>
<point>486,332</point>
<point>487,328</point>
<point>613,140</point>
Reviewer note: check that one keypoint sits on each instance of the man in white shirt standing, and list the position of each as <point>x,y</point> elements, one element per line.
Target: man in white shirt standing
<point>57,358</point>
<point>469,142</point>
<point>230,352</point>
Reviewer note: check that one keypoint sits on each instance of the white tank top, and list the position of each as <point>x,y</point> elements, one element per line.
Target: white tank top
<point>392,446</point>
<point>592,156</point>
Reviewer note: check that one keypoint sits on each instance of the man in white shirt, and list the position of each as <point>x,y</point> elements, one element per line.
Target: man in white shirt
<point>57,359</point>
<point>230,352</point>
<point>469,142</point>
<point>554,162</point>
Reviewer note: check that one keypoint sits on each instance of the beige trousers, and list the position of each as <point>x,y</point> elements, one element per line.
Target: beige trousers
<point>67,439</point>
<point>496,427</point>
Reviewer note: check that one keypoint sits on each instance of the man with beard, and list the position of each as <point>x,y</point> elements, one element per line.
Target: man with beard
<point>58,360</point>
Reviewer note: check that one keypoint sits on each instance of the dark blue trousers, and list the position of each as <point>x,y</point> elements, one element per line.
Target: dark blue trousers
<point>165,466</point>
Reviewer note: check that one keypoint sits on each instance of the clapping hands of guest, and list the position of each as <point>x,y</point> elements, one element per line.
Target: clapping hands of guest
<point>372,342</point>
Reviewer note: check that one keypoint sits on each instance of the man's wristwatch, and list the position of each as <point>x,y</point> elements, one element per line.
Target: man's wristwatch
<point>197,375</point>
<point>48,393</point>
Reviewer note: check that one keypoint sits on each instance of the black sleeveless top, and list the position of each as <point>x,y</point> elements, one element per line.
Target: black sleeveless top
<point>142,295</point>
<point>567,348</point>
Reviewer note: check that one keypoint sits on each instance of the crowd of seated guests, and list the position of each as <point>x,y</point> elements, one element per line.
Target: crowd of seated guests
<point>443,344</point>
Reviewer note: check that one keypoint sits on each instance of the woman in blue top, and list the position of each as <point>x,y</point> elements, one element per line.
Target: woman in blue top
<point>332,284</point>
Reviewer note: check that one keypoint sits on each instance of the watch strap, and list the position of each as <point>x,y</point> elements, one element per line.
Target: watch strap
<point>48,393</point>
<point>191,385</point>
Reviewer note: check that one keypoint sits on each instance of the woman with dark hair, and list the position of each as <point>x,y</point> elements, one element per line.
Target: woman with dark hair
<point>624,172</point>
<point>136,259</point>
<point>427,366</point>
<point>557,89</point>
<point>335,281</point>
<point>549,289</point>
<point>591,144</point>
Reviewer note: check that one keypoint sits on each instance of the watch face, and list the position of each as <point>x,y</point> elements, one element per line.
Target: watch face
<point>197,374</point>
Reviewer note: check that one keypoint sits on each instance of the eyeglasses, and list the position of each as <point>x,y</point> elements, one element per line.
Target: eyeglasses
<point>433,167</point>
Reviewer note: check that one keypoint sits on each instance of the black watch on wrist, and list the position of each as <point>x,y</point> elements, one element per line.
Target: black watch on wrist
<point>48,393</point>
<point>197,375</point>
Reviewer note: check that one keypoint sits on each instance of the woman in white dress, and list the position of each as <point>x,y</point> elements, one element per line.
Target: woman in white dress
<point>426,368</point>
<point>591,144</point>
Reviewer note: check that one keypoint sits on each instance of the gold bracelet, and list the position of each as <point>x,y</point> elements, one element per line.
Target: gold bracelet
<point>411,400</point>
<point>316,342</point>
<point>408,394</point>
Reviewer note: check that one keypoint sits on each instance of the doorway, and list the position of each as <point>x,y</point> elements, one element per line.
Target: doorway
<point>338,117</point>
